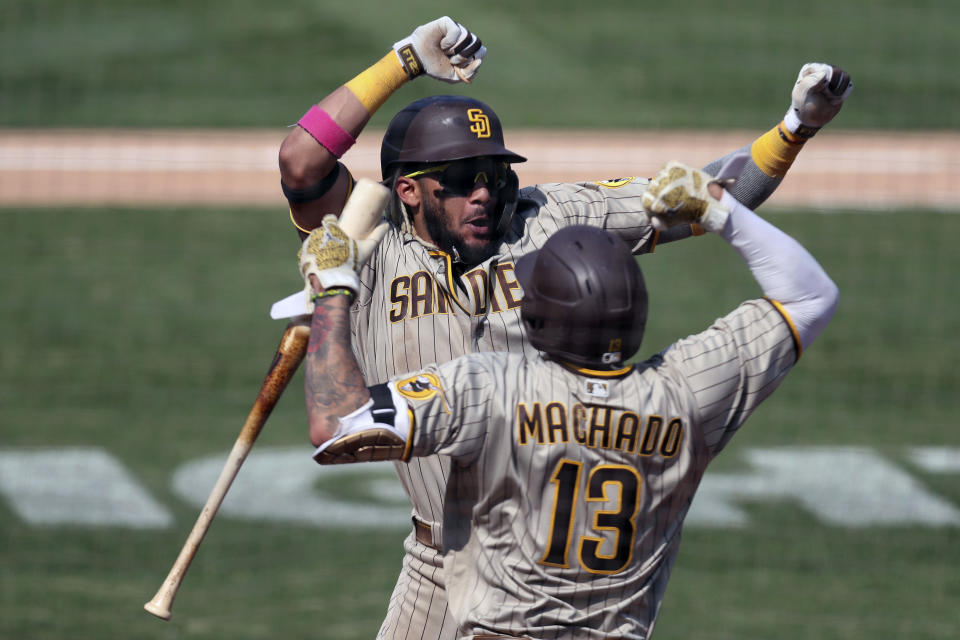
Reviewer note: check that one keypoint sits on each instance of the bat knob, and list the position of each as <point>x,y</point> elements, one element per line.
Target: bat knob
<point>160,610</point>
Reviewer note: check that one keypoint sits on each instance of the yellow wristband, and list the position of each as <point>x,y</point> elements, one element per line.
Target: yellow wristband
<point>326,293</point>
<point>373,86</point>
<point>775,151</point>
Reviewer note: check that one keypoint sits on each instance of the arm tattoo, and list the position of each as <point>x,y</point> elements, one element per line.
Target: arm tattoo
<point>333,382</point>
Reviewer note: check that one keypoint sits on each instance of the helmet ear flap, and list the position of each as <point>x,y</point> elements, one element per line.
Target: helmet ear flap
<point>509,195</point>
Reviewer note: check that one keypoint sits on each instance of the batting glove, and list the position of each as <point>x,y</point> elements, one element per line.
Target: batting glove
<point>443,49</point>
<point>817,97</point>
<point>362,216</point>
<point>678,195</point>
<point>332,256</point>
<point>335,251</point>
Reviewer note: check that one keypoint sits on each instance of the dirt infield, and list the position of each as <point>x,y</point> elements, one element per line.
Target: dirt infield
<point>864,170</point>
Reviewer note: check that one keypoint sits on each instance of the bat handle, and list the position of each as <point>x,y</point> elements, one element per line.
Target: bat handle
<point>288,357</point>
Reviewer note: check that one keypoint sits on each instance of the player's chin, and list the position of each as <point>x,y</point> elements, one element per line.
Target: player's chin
<point>477,247</point>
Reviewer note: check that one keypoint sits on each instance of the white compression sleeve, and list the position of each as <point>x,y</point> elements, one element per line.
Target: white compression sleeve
<point>785,271</point>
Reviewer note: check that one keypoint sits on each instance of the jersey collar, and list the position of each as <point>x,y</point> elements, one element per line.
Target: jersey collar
<point>596,373</point>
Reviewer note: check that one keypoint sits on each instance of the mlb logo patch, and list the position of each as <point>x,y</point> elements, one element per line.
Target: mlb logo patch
<point>596,388</point>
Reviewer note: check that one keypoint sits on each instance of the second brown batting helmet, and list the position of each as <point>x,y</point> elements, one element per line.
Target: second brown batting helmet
<point>584,298</point>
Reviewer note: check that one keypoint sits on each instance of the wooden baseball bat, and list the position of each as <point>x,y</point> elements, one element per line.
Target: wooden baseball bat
<point>289,355</point>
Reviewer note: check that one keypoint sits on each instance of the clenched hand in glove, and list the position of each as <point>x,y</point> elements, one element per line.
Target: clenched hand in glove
<point>817,96</point>
<point>335,251</point>
<point>678,194</point>
<point>443,49</point>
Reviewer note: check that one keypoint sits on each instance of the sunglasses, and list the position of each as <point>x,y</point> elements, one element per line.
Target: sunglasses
<point>460,177</point>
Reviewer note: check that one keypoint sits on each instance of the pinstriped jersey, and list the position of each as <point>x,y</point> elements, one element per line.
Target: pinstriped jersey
<point>417,306</point>
<point>569,488</point>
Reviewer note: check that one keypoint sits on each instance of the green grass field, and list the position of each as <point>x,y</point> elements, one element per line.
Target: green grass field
<point>140,337</point>
<point>555,63</point>
<point>145,334</point>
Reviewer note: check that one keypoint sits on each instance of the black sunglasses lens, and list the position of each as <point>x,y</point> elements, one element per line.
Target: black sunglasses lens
<point>462,177</point>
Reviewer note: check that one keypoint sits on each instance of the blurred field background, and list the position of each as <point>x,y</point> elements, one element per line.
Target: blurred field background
<point>619,64</point>
<point>141,333</point>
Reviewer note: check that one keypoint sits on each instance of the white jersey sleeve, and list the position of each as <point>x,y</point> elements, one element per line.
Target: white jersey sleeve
<point>734,366</point>
<point>450,406</point>
<point>614,205</point>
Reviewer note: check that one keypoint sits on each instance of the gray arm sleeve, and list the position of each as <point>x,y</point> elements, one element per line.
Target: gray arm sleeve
<point>753,187</point>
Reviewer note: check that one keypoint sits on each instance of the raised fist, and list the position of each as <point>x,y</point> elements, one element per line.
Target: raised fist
<point>816,98</point>
<point>442,49</point>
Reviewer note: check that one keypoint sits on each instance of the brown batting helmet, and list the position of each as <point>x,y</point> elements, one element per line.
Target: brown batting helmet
<point>440,129</point>
<point>584,298</point>
<point>444,128</point>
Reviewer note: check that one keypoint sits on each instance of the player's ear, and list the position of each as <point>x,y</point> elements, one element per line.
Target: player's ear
<point>408,190</point>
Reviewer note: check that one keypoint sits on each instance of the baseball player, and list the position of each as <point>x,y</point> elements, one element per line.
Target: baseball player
<point>442,282</point>
<point>572,471</point>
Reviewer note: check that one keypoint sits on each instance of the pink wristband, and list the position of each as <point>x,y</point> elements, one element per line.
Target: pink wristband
<point>326,131</point>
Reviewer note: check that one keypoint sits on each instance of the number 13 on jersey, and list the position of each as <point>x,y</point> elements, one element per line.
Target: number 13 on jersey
<point>614,492</point>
